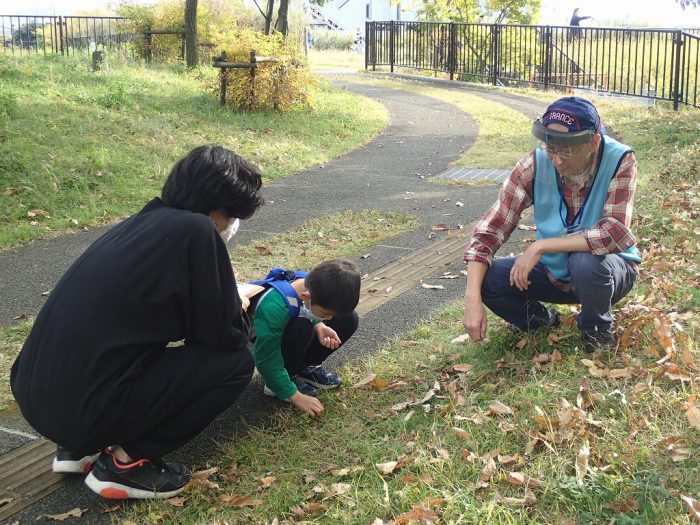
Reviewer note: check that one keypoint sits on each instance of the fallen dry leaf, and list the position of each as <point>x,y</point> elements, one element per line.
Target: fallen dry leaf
<point>499,409</point>
<point>417,515</point>
<point>347,470</point>
<point>526,501</point>
<point>336,490</point>
<point>386,468</point>
<point>311,507</point>
<point>462,367</point>
<point>507,460</point>
<point>461,433</point>
<point>232,500</point>
<point>267,481</point>
<point>177,501</point>
<point>542,358</point>
<point>506,426</point>
<point>527,227</point>
<point>518,479</point>
<point>73,513</point>
<point>367,380</point>
<point>582,458</point>
<point>432,286</point>
<point>677,447</point>
<point>625,505</point>
<point>692,412</point>
<point>693,507</point>
<point>263,250</point>
<point>460,339</point>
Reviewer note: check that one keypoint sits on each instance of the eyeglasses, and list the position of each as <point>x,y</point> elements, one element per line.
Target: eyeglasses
<point>563,152</point>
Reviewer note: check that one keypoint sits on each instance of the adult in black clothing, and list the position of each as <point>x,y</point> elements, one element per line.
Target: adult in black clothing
<point>96,372</point>
<point>575,21</point>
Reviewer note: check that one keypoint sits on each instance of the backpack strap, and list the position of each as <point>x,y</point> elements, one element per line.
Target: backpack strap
<point>281,280</point>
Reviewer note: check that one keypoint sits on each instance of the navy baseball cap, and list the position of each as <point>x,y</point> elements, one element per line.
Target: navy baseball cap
<point>575,113</point>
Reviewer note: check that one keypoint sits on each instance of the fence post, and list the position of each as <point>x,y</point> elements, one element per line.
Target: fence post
<point>495,46</point>
<point>251,98</point>
<point>452,58</point>
<point>60,32</point>
<point>182,48</point>
<point>223,78</point>
<point>374,46</point>
<point>391,45</point>
<point>366,44</point>
<point>678,45</point>
<point>149,45</point>
<point>547,62</point>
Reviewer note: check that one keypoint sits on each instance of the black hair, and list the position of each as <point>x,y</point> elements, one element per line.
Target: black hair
<point>212,178</point>
<point>335,286</point>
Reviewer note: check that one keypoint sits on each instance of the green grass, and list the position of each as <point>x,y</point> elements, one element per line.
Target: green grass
<point>79,149</point>
<point>341,234</point>
<point>329,60</point>
<point>453,464</point>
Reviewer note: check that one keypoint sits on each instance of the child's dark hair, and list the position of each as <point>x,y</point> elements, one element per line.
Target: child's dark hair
<point>335,286</point>
<point>212,178</point>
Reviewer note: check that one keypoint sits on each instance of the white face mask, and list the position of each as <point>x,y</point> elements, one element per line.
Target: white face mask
<point>230,230</point>
<point>307,313</point>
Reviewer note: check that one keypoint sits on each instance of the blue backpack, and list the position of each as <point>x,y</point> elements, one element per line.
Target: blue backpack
<point>281,280</point>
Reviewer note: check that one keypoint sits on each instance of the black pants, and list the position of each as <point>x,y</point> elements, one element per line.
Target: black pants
<point>300,346</point>
<point>176,394</point>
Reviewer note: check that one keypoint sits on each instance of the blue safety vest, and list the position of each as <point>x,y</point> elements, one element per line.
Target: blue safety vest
<point>281,280</point>
<point>551,211</point>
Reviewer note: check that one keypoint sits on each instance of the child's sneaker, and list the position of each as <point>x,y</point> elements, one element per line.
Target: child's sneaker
<point>141,479</point>
<point>67,462</point>
<point>302,387</point>
<point>319,377</point>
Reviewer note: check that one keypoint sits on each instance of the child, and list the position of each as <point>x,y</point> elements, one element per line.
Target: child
<point>297,330</point>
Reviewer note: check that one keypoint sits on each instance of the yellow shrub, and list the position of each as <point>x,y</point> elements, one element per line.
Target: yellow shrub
<point>169,14</point>
<point>278,85</point>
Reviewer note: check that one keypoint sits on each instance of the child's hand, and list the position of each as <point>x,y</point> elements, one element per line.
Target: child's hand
<point>327,336</point>
<point>245,303</point>
<point>308,404</point>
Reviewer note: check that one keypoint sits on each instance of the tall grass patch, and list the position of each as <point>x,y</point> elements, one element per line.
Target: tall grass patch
<point>79,149</point>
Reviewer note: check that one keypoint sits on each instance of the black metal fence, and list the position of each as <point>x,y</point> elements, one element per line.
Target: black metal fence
<point>657,64</point>
<point>22,34</point>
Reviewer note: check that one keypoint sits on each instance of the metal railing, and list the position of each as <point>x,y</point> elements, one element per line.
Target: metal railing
<point>23,34</point>
<point>656,64</point>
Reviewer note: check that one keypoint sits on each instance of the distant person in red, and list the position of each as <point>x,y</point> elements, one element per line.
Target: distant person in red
<point>575,22</point>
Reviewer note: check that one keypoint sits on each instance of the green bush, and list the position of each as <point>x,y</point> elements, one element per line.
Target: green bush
<point>325,39</point>
<point>279,85</point>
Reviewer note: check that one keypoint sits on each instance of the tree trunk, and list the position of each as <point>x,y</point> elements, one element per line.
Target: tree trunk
<point>268,16</point>
<point>191,32</point>
<point>281,26</point>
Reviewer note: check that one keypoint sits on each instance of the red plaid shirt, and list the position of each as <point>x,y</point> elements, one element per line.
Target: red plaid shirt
<point>611,234</point>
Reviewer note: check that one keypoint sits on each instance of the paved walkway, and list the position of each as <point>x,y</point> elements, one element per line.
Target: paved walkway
<point>423,137</point>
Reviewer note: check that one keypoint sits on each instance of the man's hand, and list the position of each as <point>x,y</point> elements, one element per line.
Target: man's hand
<point>308,404</point>
<point>327,336</point>
<point>520,272</point>
<point>474,319</point>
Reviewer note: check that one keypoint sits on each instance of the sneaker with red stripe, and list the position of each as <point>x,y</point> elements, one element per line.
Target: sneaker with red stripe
<point>142,479</point>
